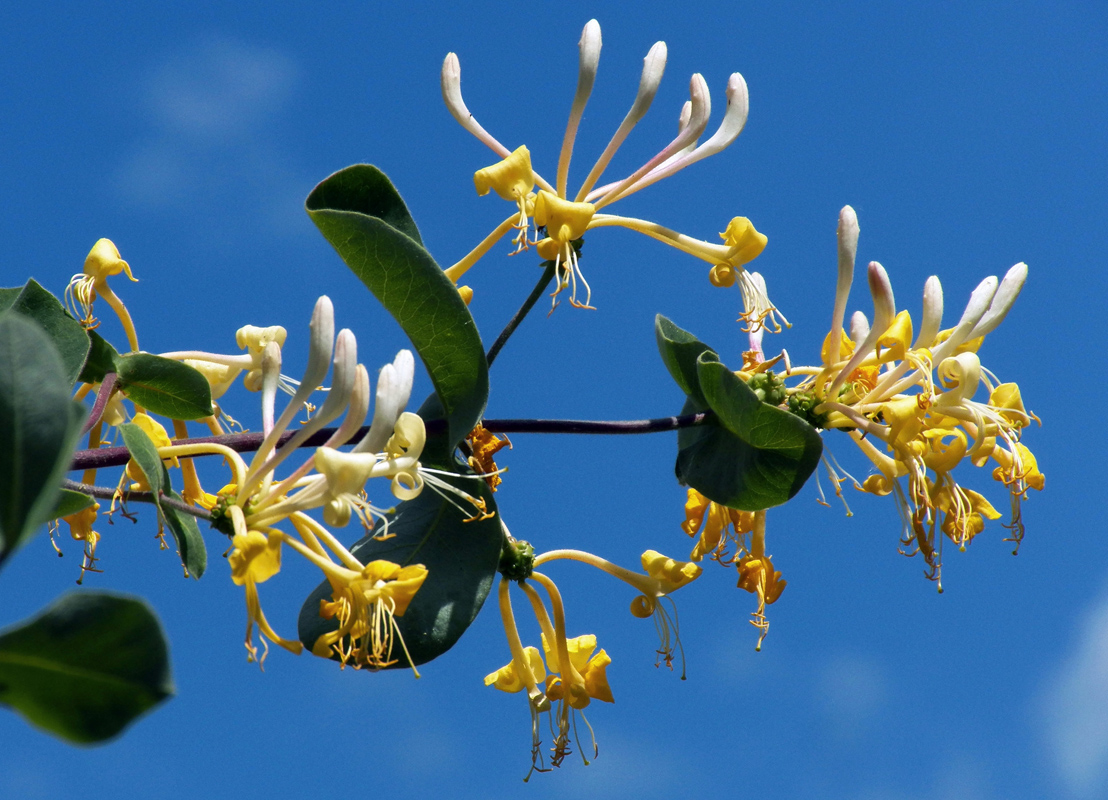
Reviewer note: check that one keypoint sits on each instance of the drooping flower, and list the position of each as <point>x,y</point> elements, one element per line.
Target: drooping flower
<point>256,558</point>
<point>366,604</point>
<point>102,262</point>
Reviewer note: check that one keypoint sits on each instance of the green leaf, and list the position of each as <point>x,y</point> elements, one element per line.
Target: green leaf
<point>145,453</point>
<point>66,333</point>
<point>361,214</point>
<point>164,386</point>
<point>101,359</point>
<point>190,542</point>
<point>680,351</point>
<point>39,428</point>
<point>461,559</point>
<point>8,296</point>
<point>86,667</point>
<point>758,455</point>
<point>70,503</point>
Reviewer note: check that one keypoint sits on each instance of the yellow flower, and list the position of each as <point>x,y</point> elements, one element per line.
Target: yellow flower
<point>671,574</point>
<point>256,558</point>
<point>508,677</point>
<point>365,604</point>
<point>485,446</point>
<point>587,678</point>
<point>102,262</point>
<point>80,528</point>
<point>567,216</point>
<point>717,520</point>
<point>757,576</point>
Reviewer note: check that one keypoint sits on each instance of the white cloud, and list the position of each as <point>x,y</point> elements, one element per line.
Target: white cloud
<point>207,132</point>
<point>221,89</point>
<point>853,689</point>
<point>1075,709</point>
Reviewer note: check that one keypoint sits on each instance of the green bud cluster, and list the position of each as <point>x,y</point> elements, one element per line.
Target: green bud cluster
<point>803,405</point>
<point>517,560</point>
<point>220,519</point>
<point>769,388</point>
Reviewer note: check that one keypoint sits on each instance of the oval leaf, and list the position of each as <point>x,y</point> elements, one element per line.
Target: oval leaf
<point>461,560</point>
<point>758,456</point>
<point>680,351</point>
<point>86,667</point>
<point>164,386</point>
<point>101,359</point>
<point>39,428</point>
<point>183,527</point>
<point>66,333</point>
<point>69,503</point>
<point>363,217</point>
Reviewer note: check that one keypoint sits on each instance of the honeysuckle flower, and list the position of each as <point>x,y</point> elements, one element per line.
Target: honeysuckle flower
<point>484,446</point>
<point>512,180</point>
<point>718,526</point>
<point>102,262</point>
<point>663,576</point>
<point>80,528</point>
<point>365,603</point>
<point>256,558</point>
<point>514,677</point>
<point>566,217</point>
<point>262,358</point>
<point>592,667</point>
<point>907,397</point>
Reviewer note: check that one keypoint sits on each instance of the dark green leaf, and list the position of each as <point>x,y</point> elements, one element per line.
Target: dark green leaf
<point>8,296</point>
<point>66,333</point>
<point>70,503</point>
<point>39,428</point>
<point>186,533</point>
<point>680,351</point>
<point>758,455</point>
<point>145,454</point>
<point>190,542</point>
<point>461,559</point>
<point>101,359</point>
<point>164,386</point>
<point>86,667</point>
<point>363,217</point>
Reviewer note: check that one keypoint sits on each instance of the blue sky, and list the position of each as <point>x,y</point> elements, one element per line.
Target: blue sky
<point>966,139</point>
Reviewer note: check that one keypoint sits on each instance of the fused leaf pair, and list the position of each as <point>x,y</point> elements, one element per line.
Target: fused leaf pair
<point>752,455</point>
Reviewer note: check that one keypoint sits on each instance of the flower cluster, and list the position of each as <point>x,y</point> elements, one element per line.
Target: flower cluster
<point>561,221</point>
<point>366,598</point>
<point>914,397</point>
<point>575,672</point>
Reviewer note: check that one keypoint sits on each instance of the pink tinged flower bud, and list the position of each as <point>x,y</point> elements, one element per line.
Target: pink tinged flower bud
<point>271,377</point>
<point>847,234</point>
<point>342,378</point>
<point>356,411</point>
<point>1005,296</point>
<point>451,82</point>
<point>588,61</point>
<point>884,305</point>
<point>654,65</point>
<point>932,312</point>
<point>859,326</point>
<point>978,304</point>
<point>394,387</point>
